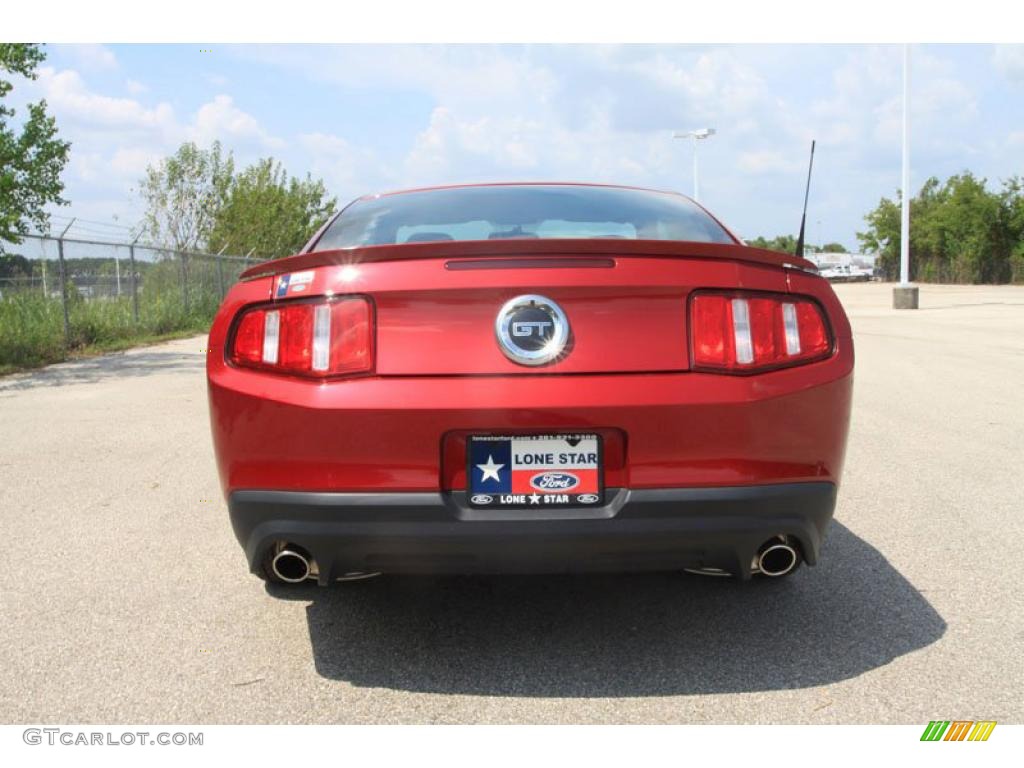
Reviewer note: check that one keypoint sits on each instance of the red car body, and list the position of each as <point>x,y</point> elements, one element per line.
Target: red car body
<point>367,472</point>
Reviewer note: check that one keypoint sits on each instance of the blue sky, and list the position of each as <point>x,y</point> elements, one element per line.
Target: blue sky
<point>373,117</point>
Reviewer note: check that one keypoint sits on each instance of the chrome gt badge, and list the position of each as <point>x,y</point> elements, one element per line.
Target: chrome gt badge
<point>531,330</point>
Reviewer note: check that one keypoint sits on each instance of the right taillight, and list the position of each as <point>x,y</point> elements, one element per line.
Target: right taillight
<point>745,332</point>
<point>330,337</point>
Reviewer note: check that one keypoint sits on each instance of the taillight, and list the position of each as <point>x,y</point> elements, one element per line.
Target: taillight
<point>327,338</point>
<point>740,332</point>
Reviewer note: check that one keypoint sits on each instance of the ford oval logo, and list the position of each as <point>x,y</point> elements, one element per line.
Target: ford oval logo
<point>587,498</point>
<point>481,498</point>
<point>554,481</point>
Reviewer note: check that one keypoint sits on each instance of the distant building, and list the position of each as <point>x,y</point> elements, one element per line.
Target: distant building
<point>827,260</point>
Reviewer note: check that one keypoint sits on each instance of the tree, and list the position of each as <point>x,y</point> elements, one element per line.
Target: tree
<point>783,243</point>
<point>960,231</point>
<point>882,236</point>
<point>834,248</point>
<point>184,193</point>
<point>31,161</point>
<point>268,213</point>
<point>13,265</point>
<point>1013,207</point>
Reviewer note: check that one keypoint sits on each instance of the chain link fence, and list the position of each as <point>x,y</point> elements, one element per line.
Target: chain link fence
<point>69,293</point>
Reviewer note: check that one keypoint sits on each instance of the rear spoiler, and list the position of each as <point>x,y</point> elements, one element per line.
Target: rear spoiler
<point>527,247</point>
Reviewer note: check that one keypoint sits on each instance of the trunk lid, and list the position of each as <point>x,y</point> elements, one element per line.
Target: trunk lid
<point>436,308</point>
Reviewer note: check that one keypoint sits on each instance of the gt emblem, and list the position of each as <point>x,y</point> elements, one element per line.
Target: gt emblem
<point>531,330</point>
<point>526,328</point>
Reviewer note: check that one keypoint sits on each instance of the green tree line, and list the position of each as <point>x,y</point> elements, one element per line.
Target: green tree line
<point>960,232</point>
<point>787,244</point>
<point>197,201</point>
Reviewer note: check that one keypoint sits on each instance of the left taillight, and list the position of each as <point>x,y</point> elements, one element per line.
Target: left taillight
<point>333,337</point>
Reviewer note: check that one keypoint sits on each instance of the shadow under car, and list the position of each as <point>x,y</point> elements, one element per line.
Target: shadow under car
<point>624,635</point>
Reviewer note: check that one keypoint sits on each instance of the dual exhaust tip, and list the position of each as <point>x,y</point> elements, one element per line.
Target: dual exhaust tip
<point>292,564</point>
<point>777,557</point>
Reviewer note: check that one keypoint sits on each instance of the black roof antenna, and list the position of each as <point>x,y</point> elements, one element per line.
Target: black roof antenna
<point>803,219</point>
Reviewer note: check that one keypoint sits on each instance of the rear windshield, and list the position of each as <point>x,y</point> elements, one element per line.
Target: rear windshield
<point>528,211</point>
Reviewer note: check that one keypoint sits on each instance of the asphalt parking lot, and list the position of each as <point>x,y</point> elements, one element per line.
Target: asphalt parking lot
<point>125,597</point>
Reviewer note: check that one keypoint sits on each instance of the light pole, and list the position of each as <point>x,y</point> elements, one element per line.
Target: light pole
<point>904,296</point>
<point>697,135</point>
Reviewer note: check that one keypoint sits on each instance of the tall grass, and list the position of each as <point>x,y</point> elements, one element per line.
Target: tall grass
<point>31,331</point>
<point>32,325</point>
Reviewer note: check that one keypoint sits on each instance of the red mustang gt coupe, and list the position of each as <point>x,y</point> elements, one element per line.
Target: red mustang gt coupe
<point>529,378</point>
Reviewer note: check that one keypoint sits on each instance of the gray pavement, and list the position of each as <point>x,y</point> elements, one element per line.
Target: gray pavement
<point>125,597</point>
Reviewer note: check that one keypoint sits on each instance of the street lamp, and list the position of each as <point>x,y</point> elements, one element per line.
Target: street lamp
<point>697,135</point>
<point>904,295</point>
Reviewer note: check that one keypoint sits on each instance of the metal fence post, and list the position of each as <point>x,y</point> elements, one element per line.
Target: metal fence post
<point>220,270</point>
<point>135,281</point>
<point>64,284</point>
<point>184,279</point>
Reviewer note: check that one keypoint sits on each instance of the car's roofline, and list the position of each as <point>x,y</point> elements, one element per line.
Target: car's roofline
<point>471,185</point>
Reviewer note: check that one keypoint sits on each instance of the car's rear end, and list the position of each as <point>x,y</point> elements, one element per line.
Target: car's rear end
<point>561,396</point>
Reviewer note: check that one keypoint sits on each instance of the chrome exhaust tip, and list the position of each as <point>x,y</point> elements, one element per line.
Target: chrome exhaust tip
<point>291,565</point>
<point>777,557</point>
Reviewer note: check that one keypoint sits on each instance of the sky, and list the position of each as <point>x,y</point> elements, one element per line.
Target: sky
<point>370,118</point>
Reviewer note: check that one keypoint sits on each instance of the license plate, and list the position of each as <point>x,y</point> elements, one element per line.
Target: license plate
<point>531,471</point>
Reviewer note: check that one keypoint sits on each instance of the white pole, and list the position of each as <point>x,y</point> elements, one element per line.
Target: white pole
<point>696,180</point>
<point>905,207</point>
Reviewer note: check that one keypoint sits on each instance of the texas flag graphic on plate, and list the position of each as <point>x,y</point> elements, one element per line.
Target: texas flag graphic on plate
<point>534,471</point>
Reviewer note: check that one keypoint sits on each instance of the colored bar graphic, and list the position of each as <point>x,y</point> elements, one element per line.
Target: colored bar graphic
<point>982,730</point>
<point>934,730</point>
<point>958,730</point>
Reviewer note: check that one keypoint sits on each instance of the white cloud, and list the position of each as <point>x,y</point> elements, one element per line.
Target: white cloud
<point>92,56</point>
<point>457,147</point>
<point>496,143</point>
<point>714,82</point>
<point>115,138</point>
<point>602,113</point>
<point>131,163</point>
<point>767,161</point>
<point>483,77</point>
<point>1009,60</point>
<point>87,166</point>
<point>865,109</point>
<point>70,98</point>
<point>220,120</point>
<point>348,170</point>
<point>73,101</point>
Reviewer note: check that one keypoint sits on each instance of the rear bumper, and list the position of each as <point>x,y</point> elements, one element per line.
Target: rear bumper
<point>648,529</point>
